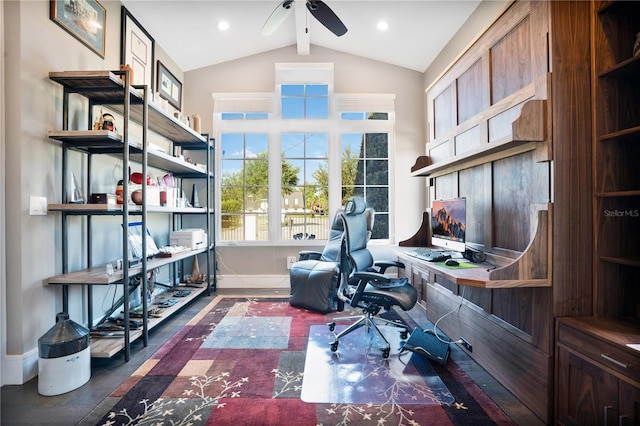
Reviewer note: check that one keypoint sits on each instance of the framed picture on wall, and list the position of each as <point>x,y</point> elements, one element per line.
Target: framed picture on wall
<point>169,87</point>
<point>85,20</point>
<point>137,49</point>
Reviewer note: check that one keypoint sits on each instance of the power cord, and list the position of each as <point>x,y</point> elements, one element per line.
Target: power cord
<point>435,325</point>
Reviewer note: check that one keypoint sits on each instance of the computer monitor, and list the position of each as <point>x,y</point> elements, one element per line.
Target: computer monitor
<point>448,224</point>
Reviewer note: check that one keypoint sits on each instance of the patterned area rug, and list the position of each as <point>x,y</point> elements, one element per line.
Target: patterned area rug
<point>241,361</point>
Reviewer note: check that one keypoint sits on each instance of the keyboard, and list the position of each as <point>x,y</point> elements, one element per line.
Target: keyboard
<point>429,255</point>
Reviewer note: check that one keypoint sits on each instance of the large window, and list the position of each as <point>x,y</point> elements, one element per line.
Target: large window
<point>245,186</point>
<point>365,172</point>
<point>290,159</point>
<point>300,101</point>
<point>305,191</point>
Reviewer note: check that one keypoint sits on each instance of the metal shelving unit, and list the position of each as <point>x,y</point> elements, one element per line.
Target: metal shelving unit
<point>112,89</point>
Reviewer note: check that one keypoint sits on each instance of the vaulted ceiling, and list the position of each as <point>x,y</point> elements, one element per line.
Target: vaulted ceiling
<point>188,30</point>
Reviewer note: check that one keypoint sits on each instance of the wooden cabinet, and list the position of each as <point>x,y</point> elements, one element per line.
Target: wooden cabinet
<point>597,373</point>
<point>110,89</point>
<point>510,129</point>
<point>616,148</point>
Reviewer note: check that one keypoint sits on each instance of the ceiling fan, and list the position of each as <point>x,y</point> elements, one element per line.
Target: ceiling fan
<point>318,9</point>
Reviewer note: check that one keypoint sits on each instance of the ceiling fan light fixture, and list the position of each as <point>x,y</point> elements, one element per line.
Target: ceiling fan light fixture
<point>223,25</point>
<point>277,17</point>
<point>318,9</point>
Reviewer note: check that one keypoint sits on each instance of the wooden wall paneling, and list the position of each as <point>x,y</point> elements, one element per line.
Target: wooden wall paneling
<point>511,67</point>
<point>533,161</point>
<point>445,187</point>
<point>468,140</point>
<point>572,153</point>
<point>515,184</point>
<point>443,120</point>
<point>515,307</point>
<point>540,52</point>
<point>472,93</point>
<point>519,366</point>
<point>475,186</point>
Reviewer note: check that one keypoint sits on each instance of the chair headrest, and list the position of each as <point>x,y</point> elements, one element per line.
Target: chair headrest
<point>355,206</point>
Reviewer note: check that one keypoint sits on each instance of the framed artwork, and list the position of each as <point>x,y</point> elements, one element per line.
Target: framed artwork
<point>169,87</point>
<point>85,20</point>
<point>137,49</point>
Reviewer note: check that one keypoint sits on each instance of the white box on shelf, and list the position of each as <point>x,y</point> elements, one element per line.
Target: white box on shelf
<point>192,238</point>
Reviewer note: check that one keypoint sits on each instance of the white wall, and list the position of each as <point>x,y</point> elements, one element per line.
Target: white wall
<point>3,275</point>
<point>35,46</point>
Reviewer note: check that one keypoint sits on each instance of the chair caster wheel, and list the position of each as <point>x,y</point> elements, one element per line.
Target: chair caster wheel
<point>385,353</point>
<point>332,326</point>
<point>334,346</point>
<point>404,335</point>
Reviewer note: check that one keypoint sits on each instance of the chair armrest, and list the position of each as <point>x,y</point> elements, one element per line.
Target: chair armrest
<point>309,255</point>
<point>382,265</point>
<point>372,277</point>
<point>378,280</point>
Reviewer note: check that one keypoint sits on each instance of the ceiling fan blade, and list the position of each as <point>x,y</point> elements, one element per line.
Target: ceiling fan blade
<point>326,17</point>
<point>277,17</point>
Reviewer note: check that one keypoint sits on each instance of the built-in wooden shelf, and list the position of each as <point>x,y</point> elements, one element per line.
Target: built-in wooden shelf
<point>630,134</point>
<point>532,268</point>
<point>106,347</point>
<point>528,132</point>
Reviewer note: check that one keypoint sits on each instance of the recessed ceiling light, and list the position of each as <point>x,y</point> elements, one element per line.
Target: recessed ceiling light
<point>223,25</point>
<point>382,26</point>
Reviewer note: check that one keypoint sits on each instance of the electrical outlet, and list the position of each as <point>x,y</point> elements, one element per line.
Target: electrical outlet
<point>290,261</point>
<point>37,206</point>
<point>466,344</point>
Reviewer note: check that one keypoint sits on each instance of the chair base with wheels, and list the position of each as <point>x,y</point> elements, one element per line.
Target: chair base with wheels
<point>370,322</point>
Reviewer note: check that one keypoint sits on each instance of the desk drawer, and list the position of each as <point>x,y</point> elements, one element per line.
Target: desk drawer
<point>619,358</point>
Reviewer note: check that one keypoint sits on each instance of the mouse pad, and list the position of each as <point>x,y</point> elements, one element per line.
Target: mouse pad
<point>461,265</point>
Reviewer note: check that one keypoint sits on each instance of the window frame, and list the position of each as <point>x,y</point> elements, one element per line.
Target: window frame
<point>275,125</point>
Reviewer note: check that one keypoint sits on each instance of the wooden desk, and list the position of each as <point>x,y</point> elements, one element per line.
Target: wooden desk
<point>504,275</point>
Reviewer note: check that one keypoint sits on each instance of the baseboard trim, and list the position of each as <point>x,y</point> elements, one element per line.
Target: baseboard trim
<point>253,281</point>
<point>19,369</point>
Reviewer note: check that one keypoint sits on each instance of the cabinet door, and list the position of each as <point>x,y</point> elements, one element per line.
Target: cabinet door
<point>585,391</point>
<point>420,280</point>
<point>629,400</point>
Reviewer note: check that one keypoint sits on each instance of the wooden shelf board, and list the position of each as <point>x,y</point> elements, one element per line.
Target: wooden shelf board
<point>102,347</point>
<point>620,260</point>
<point>117,208</point>
<point>106,88</point>
<point>616,194</point>
<point>632,133</point>
<point>107,142</point>
<point>494,151</point>
<point>628,67</point>
<point>97,275</point>
<point>612,330</point>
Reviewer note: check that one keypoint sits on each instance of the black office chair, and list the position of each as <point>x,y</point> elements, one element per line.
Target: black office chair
<point>363,283</point>
<point>314,277</point>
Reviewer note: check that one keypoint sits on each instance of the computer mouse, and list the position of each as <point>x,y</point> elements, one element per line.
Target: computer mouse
<point>451,262</point>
